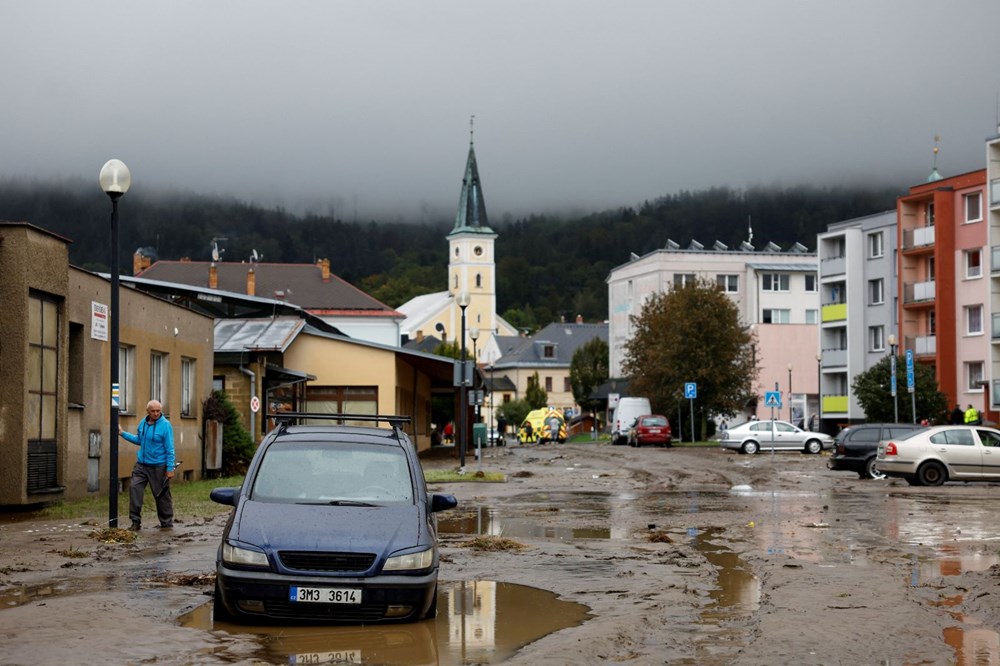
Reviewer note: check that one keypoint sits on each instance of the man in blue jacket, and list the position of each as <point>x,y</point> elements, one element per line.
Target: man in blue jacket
<point>154,465</point>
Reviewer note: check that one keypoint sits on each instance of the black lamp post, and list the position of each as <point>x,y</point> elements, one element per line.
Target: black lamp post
<point>463,396</point>
<point>819,390</point>
<point>790,394</point>
<point>115,180</point>
<point>474,336</point>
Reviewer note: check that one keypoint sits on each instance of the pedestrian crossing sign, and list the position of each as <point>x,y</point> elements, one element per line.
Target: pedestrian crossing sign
<point>772,398</point>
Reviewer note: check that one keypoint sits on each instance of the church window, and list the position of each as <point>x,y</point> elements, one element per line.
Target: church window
<point>479,280</point>
<point>456,252</point>
<point>478,250</point>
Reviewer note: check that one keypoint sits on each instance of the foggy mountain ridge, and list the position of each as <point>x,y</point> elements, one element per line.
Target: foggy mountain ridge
<point>548,265</point>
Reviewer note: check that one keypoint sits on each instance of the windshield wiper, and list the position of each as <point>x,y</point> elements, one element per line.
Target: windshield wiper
<point>339,502</point>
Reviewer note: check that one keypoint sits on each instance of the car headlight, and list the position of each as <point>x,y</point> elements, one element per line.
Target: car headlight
<point>410,561</point>
<point>244,557</point>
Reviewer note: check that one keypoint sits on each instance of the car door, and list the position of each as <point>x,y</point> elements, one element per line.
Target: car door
<point>788,436</point>
<point>762,433</point>
<point>960,450</point>
<point>990,439</point>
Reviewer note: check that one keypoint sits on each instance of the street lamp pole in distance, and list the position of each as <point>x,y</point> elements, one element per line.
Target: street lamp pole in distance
<point>463,300</point>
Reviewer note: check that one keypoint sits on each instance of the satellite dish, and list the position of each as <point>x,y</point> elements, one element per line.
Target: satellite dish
<point>255,257</point>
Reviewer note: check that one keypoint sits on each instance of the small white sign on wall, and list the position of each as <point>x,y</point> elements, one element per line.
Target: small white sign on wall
<point>99,320</point>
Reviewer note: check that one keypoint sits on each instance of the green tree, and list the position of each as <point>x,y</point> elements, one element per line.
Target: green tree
<point>514,413</point>
<point>691,334</point>
<point>535,396</point>
<point>237,445</point>
<point>452,350</point>
<point>873,391</point>
<point>588,370</point>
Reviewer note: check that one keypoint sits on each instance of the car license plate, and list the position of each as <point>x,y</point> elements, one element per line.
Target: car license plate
<point>324,595</point>
<point>338,657</point>
<point>654,431</point>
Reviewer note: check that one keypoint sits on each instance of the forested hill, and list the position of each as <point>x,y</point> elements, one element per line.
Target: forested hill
<point>547,266</point>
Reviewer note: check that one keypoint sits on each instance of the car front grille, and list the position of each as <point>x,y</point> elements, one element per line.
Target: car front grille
<point>327,612</point>
<point>320,561</point>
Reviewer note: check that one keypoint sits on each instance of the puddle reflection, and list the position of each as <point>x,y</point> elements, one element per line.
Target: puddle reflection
<point>480,622</point>
<point>737,593</point>
<point>488,521</point>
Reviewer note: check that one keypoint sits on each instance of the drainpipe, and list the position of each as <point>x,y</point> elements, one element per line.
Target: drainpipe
<point>253,392</point>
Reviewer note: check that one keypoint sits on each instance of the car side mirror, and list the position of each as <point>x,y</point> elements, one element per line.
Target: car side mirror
<point>443,503</point>
<point>225,496</point>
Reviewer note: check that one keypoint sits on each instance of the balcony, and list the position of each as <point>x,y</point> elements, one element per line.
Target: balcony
<point>918,292</point>
<point>921,237</point>
<point>833,266</point>
<point>922,345</point>
<point>834,358</point>
<point>834,404</point>
<point>834,312</point>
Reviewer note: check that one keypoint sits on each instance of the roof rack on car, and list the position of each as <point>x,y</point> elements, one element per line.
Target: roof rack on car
<point>285,419</point>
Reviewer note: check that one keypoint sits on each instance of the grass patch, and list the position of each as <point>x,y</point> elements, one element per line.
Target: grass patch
<point>493,544</point>
<point>449,475</point>
<point>190,501</point>
<point>113,535</point>
<point>72,552</point>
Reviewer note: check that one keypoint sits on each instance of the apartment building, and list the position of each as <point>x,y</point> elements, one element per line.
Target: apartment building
<point>993,191</point>
<point>775,290</point>
<point>944,291</point>
<point>858,291</point>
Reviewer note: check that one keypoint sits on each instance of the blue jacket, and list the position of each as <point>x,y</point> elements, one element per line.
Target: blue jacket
<point>155,441</point>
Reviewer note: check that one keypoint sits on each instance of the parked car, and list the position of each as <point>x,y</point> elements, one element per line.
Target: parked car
<point>627,411</point>
<point>753,436</point>
<point>650,429</point>
<point>931,456</point>
<point>856,447</point>
<point>333,523</point>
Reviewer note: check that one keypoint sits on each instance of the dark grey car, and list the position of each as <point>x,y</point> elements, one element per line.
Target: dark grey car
<point>856,447</point>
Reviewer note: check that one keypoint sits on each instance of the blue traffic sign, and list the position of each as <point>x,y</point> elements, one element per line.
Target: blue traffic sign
<point>690,390</point>
<point>772,398</point>
<point>909,370</point>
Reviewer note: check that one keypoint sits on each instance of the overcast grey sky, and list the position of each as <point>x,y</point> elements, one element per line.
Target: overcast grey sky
<point>581,104</point>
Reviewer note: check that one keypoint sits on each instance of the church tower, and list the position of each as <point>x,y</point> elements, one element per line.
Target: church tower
<point>471,260</point>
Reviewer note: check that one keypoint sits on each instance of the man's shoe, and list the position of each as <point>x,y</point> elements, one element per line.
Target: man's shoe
<point>166,526</point>
<point>134,527</point>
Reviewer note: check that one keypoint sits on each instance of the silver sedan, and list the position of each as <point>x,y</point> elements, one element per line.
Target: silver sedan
<point>754,436</point>
<point>931,456</point>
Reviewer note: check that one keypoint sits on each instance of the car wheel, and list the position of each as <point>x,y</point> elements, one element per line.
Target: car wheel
<point>219,611</point>
<point>932,474</point>
<point>814,446</point>
<point>750,448</point>
<point>870,471</point>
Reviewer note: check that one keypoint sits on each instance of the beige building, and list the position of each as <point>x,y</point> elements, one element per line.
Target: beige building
<point>55,372</point>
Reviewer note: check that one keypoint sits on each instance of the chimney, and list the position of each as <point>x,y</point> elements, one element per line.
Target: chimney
<point>420,335</point>
<point>251,283</point>
<point>213,276</point>
<point>140,263</point>
<point>324,265</point>
<point>579,319</point>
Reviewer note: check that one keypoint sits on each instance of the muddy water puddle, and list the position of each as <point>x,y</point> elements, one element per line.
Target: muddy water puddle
<point>479,622</point>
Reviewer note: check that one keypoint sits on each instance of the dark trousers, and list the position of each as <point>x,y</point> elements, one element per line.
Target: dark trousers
<point>156,477</point>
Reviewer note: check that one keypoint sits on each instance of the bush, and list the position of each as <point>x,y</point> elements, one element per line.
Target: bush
<point>237,445</point>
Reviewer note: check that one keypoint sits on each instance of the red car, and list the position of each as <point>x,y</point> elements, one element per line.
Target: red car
<point>650,429</point>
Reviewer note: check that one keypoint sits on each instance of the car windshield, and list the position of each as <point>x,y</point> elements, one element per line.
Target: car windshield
<point>344,473</point>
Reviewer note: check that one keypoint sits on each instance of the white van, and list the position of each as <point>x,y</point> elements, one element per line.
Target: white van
<point>627,411</point>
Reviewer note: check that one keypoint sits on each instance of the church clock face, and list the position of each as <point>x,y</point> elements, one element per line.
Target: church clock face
<point>478,251</point>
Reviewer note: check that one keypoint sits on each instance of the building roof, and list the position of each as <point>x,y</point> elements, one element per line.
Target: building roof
<point>301,284</point>
<point>420,309</point>
<point>559,340</point>
<point>240,335</point>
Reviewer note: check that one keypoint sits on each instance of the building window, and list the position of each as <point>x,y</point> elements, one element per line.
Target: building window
<point>478,251</point>
<point>775,282</point>
<point>811,283</point>
<point>728,283</point>
<point>931,322</point>
<point>126,379</point>
<point>876,338</point>
<point>812,316</point>
<point>974,319</point>
<point>974,372</point>
<point>549,351</point>
<point>682,279</point>
<point>187,386</point>
<point>973,263</point>
<point>929,215</point>
<point>341,400</point>
<point>777,316</point>
<point>876,292</point>
<point>876,245</point>
<point>548,385</point>
<point>41,401</point>
<point>974,207</point>
<point>158,378</point>
<point>567,385</point>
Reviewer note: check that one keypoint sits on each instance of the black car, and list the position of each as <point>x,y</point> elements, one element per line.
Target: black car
<point>855,447</point>
<point>333,523</point>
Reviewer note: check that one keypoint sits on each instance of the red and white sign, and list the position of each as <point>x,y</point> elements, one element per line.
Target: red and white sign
<point>255,404</point>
